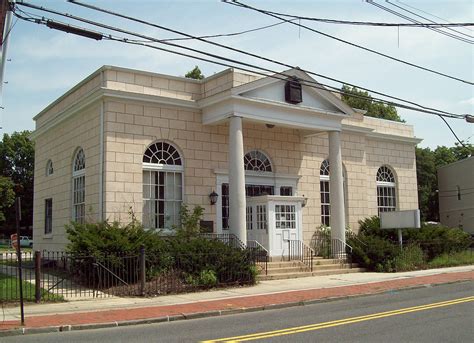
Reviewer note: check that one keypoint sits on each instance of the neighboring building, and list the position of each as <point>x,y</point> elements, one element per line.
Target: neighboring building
<point>124,140</point>
<point>456,194</point>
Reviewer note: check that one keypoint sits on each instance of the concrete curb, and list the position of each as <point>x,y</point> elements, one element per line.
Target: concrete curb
<point>206,314</point>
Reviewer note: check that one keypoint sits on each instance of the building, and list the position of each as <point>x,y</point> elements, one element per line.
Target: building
<point>125,141</point>
<point>456,194</point>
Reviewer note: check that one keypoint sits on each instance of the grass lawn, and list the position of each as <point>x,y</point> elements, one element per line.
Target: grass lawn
<point>452,260</point>
<point>9,290</point>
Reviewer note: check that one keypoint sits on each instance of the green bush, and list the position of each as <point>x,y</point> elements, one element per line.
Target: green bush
<point>377,249</point>
<point>436,240</point>
<point>411,257</point>
<point>198,260</point>
<point>374,253</point>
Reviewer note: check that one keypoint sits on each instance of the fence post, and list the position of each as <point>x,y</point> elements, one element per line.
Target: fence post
<point>37,276</point>
<point>142,270</point>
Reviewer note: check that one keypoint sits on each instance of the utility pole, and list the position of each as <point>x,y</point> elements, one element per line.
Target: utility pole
<point>5,26</point>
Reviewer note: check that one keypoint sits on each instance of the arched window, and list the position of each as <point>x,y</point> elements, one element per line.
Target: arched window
<point>386,190</point>
<point>79,187</point>
<point>49,168</point>
<point>162,186</point>
<point>324,180</point>
<point>257,161</point>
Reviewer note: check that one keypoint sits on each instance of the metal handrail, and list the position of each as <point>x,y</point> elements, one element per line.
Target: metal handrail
<point>299,251</point>
<point>343,247</point>
<point>227,238</point>
<point>249,242</point>
<point>253,244</point>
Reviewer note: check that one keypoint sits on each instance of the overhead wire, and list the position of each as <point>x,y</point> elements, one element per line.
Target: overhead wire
<point>281,77</point>
<point>256,56</point>
<point>430,14</point>
<point>240,4</point>
<point>232,34</point>
<point>431,21</point>
<point>369,23</point>
<point>401,15</point>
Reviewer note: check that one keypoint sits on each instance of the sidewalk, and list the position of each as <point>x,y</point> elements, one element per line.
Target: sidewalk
<point>111,312</point>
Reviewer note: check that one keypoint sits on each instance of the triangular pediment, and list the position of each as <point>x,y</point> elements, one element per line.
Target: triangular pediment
<point>273,90</point>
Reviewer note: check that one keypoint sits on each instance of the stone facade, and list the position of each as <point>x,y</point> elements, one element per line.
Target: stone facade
<point>115,114</point>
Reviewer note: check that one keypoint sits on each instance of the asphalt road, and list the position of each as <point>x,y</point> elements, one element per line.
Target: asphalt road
<point>435,314</point>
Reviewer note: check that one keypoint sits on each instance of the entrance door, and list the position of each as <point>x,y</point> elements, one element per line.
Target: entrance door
<point>286,228</point>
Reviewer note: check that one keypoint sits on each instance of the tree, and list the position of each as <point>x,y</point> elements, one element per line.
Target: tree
<point>427,184</point>
<point>195,74</point>
<point>17,163</point>
<point>7,196</point>
<point>363,101</point>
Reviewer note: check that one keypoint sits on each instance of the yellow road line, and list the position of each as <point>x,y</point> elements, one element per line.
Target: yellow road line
<point>318,326</point>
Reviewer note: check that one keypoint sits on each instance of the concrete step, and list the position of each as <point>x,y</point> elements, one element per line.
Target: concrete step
<point>304,268</point>
<point>294,275</point>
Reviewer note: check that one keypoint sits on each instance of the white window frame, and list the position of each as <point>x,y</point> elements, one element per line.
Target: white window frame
<point>166,168</point>
<point>326,178</point>
<point>388,190</point>
<point>79,179</point>
<point>49,168</point>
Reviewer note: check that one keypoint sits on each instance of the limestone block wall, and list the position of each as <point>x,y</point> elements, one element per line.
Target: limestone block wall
<point>142,82</point>
<point>84,88</point>
<point>401,158</point>
<point>130,127</point>
<point>60,144</point>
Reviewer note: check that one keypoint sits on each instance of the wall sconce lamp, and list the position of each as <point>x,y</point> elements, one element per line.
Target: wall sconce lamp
<point>213,197</point>
<point>305,201</point>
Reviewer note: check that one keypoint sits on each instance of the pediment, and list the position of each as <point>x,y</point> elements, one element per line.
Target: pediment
<point>273,90</point>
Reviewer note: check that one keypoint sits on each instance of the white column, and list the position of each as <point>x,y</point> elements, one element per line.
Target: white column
<point>237,202</point>
<point>336,192</point>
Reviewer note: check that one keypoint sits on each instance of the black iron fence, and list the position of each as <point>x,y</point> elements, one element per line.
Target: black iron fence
<point>60,276</point>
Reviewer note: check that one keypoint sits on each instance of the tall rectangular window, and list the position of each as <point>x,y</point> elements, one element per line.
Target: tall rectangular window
<point>325,203</point>
<point>162,199</point>
<point>48,216</point>
<point>79,199</point>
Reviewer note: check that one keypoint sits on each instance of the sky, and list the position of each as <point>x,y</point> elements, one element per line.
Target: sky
<point>44,63</point>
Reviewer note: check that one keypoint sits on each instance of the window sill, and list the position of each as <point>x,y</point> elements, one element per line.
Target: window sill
<point>48,236</point>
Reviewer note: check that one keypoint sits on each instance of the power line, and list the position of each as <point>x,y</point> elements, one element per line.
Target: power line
<point>398,14</point>
<point>283,76</point>
<point>259,57</point>
<point>455,195</point>
<point>239,4</point>
<point>226,34</point>
<point>369,23</point>
<point>434,16</point>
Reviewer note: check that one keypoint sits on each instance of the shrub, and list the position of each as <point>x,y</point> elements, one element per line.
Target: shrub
<point>374,253</point>
<point>436,240</point>
<point>207,278</point>
<point>196,259</point>
<point>411,257</point>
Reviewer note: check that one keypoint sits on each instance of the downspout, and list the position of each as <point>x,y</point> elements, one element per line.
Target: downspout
<point>101,153</point>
